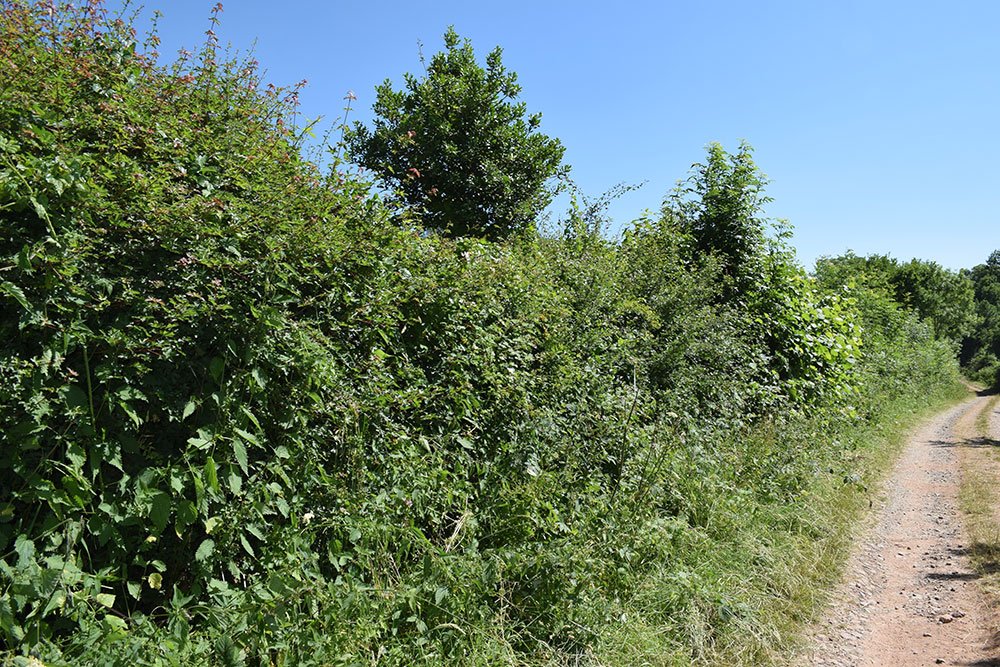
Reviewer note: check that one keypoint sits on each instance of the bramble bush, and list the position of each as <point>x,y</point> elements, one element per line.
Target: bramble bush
<point>249,419</point>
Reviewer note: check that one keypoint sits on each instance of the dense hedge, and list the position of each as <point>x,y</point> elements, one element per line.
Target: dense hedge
<point>246,415</point>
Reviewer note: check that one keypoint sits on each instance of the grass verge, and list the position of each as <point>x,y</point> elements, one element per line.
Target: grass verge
<point>776,564</point>
<point>980,501</point>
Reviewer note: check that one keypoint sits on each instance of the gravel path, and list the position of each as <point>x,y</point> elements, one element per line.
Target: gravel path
<point>909,595</point>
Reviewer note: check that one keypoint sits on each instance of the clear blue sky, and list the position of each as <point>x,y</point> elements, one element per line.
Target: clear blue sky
<point>876,122</point>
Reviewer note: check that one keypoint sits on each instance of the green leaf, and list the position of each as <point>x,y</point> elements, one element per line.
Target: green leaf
<point>75,397</point>
<point>211,474</point>
<point>155,581</point>
<point>235,481</point>
<point>251,417</point>
<point>187,514</point>
<point>13,290</point>
<point>159,512</point>
<point>240,452</point>
<point>114,624</point>
<point>176,481</point>
<point>246,546</point>
<point>25,550</point>
<point>106,599</point>
<point>249,437</point>
<point>189,409</point>
<point>57,601</point>
<point>205,550</point>
<point>39,208</point>
<point>216,367</point>
<point>24,260</point>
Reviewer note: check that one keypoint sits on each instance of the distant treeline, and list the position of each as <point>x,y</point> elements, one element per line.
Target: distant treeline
<point>962,307</point>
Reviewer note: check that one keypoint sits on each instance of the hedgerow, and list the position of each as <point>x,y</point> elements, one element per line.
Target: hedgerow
<point>248,415</point>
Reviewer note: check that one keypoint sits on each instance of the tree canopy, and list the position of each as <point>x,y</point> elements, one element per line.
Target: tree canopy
<point>944,298</point>
<point>458,148</point>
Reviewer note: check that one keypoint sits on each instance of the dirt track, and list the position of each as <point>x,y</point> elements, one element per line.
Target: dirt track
<point>909,595</point>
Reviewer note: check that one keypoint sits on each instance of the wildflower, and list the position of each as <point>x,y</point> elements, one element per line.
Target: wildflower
<point>307,517</point>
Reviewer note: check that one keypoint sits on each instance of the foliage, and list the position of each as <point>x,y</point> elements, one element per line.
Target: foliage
<point>942,297</point>
<point>946,298</point>
<point>807,341</point>
<point>247,418</point>
<point>981,350</point>
<point>719,206</point>
<point>459,148</point>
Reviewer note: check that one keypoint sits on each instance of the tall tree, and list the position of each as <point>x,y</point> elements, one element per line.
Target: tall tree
<point>720,206</point>
<point>458,147</point>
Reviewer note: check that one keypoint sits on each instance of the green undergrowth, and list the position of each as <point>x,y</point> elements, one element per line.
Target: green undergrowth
<point>769,574</point>
<point>253,414</point>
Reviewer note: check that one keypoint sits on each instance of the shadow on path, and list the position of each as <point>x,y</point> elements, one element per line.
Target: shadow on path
<point>972,443</point>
